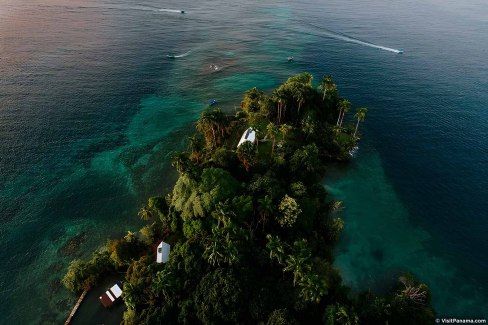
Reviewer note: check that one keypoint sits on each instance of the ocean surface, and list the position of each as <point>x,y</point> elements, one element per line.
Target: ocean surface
<point>91,109</point>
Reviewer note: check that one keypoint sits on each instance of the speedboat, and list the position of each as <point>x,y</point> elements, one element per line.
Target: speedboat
<point>182,11</point>
<point>212,102</point>
<point>171,56</point>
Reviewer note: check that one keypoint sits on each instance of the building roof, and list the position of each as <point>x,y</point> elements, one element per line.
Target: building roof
<point>116,291</point>
<point>248,135</point>
<point>112,294</point>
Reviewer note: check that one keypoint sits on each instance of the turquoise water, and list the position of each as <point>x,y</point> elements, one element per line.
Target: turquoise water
<point>91,108</point>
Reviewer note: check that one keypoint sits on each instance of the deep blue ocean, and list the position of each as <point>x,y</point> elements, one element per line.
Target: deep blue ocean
<point>91,109</point>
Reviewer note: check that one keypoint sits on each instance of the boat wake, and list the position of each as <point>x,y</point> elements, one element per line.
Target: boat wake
<point>178,56</point>
<point>116,7</point>
<point>170,10</point>
<point>343,37</point>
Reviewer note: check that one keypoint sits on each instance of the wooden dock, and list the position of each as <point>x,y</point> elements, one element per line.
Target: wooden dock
<point>75,308</point>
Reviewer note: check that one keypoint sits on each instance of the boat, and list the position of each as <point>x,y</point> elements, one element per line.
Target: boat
<point>182,11</point>
<point>171,56</point>
<point>290,58</point>
<point>212,102</point>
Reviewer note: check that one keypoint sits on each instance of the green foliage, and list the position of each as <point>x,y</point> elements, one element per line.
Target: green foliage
<point>217,298</point>
<point>243,207</point>
<point>252,101</point>
<point>313,287</point>
<point>82,275</point>
<point>130,317</point>
<point>340,315</point>
<point>281,317</point>
<point>187,314</point>
<point>75,277</point>
<point>289,211</point>
<point>247,154</point>
<point>412,302</point>
<point>335,229</point>
<point>186,198</point>
<point>298,189</point>
<point>157,204</point>
<point>186,258</point>
<point>211,125</point>
<point>265,185</point>
<point>123,251</point>
<point>276,248</point>
<point>305,160</point>
<point>193,229</point>
<point>252,247</point>
<point>150,233</point>
<point>216,185</point>
<point>224,158</point>
<point>164,284</point>
<point>223,247</point>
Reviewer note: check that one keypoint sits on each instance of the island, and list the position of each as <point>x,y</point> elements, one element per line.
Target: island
<point>249,227</point>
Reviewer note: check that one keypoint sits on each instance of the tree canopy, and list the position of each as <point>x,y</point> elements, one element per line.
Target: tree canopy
<point>251,228</point>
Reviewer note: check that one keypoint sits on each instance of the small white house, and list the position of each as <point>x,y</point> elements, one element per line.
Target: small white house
<point>248,135</point>
<point>162,255</point>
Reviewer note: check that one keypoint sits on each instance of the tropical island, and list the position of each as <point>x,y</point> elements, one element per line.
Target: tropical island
<point>250,224</point>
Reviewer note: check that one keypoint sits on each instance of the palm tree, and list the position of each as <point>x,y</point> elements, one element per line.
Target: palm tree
<point>265,208</point>
<point>278,96</point>
<point>257,131</point>
<point>223,213</point>
<point>130,295</point>
<point>144,214</point>
<point>164,283</point>
<point>344,107</point>
<point>196,147</point>
<point>272,131</point>
<point>221,248</point>
<point>220,121</point>
<point>345,316</point>
<point>336,129</point>
<point>284,130</point>
<point>313,287</point>
<point>308,125</point>
<point>180,161</point>
<point>298,265</point>
<point>130,237</point>
<point>299,95</point>
<point>212,125</point>
<point>247,154</point>
<point>360,115</point>
<point>206,126</point>
<point>276,248</point>
<point>327,85</point>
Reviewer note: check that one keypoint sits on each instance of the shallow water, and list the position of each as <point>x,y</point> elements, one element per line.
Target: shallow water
<point>91,108</point>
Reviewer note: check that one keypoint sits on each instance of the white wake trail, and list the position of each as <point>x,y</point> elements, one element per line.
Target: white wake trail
<point>170,10</point>
<point>183,55</point>
<point>178,56</point>
<point>330,33</point>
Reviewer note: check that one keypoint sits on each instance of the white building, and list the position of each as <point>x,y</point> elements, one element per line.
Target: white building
<point>162,255</point>
<point>248,135</point>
